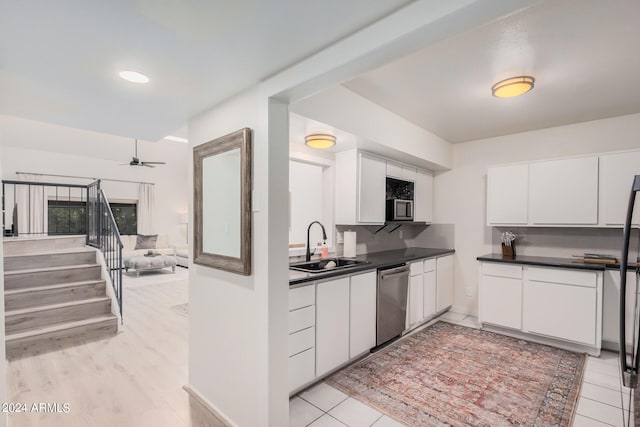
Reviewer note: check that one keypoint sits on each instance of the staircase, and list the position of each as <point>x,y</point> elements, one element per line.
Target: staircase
<point>55,296</point>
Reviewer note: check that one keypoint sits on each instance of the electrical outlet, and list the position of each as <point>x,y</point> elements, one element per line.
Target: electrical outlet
<point>339,238</point>
<point>469,291</point>
<point>400,234</point>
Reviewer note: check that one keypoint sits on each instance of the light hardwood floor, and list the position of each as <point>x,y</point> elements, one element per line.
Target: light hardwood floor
<point>132,379</point>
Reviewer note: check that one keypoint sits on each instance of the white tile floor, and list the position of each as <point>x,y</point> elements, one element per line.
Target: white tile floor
<point>601,398</point>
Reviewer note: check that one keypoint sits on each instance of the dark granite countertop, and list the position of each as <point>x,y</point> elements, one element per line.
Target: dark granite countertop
<point>374,261</point>
<point>544,261</point>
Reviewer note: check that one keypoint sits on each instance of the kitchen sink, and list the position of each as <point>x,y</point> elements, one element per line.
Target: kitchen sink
<point>323,265</point>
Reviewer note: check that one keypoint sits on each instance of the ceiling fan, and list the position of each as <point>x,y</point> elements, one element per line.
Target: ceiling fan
<point>135,161</point>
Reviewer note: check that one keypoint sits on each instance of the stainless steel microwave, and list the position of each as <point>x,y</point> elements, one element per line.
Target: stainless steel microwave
<point>399,210</point>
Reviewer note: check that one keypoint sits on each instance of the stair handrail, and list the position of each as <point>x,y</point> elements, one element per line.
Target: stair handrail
<point>103,233</point>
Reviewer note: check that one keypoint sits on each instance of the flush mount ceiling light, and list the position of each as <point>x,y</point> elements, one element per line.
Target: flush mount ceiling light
<point>514,86</point>
<point>320,140</point>
<point>133,76</point>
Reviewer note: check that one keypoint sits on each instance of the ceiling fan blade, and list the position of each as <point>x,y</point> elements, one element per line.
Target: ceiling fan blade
<point>146,164</point>
<point>155,163</point>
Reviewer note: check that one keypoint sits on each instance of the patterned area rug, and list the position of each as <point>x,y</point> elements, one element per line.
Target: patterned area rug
<point>458,376</point>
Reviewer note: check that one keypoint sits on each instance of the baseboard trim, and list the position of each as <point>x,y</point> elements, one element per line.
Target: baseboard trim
<point>463,310</point>
<point>209,406</point>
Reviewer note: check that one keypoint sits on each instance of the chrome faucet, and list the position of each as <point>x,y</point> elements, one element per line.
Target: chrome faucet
<point>324,237</point>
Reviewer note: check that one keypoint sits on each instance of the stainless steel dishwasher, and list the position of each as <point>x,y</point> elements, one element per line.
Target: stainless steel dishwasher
<point>393,283</point>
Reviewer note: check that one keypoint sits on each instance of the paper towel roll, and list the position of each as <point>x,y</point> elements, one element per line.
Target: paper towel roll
<point>349,244</point>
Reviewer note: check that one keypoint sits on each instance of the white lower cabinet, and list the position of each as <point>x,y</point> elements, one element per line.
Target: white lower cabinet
<point>429,289</point>
<point>611,308</point>
<point>564,304</point>
<point>501,295</point>
<point>301,369</point>
<point>332,324</point>
<point>444,282</point>
<point>415,297</point>
<point>561,303</point>
<point>362,313</point>
<point>302,355</point>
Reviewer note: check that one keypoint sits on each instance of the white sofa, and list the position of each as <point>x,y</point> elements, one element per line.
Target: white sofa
<point>129,244</point>
<point>182,256</point>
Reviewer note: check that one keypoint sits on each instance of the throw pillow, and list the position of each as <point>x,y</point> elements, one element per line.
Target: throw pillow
<point>146,242</point>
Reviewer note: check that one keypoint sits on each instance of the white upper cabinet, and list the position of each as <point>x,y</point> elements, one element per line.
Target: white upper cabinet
<point>508,194</point>
<point>590,191</point>
<point>564,191</point>
<point>372,189</point>
<point>616,176</point>
<point>360,188</point>
<point>400,171</point>
<point>394,170</point>
<point>423,195</point>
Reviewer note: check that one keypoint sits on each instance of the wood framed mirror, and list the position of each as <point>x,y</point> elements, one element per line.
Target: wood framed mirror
<point>222,202</point>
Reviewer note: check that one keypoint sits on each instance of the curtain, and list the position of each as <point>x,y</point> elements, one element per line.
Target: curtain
<point>146,209</point>
<point>31,205</point>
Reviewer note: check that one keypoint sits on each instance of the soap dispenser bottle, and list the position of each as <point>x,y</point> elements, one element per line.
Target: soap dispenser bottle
<point>324,250</point>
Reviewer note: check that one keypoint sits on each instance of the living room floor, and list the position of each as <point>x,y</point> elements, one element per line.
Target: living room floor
<point>132,379</point>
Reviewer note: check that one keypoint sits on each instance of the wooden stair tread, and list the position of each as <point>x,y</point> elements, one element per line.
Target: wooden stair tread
<point>54,252</point>
<point>59,327</point>
<point>45,269</point>
<point>54,306</point>
<point>52,287</point>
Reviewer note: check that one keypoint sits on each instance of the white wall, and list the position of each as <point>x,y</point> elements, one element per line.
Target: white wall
<point>359,116</point>
<point>3,361</point>
<point>238,324</point>
<point>460,194</point>
<point>30,146</point>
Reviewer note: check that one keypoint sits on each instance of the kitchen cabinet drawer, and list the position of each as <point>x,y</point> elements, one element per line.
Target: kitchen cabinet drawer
<point>415,268</point>
<point>302,340</point>
<point>502,270</point>
<point>302,318</point>
<point>430,265</point>
<point>563,276</point>
<point>302,297</point>
<point>302,369</point>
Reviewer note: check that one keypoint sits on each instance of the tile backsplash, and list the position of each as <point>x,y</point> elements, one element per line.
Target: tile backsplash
<point>563,241</point>
<point>406,236</point>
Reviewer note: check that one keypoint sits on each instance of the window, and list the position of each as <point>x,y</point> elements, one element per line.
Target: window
<point>69,217</point>
<point>66,217</point>
<point>126,216</point>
